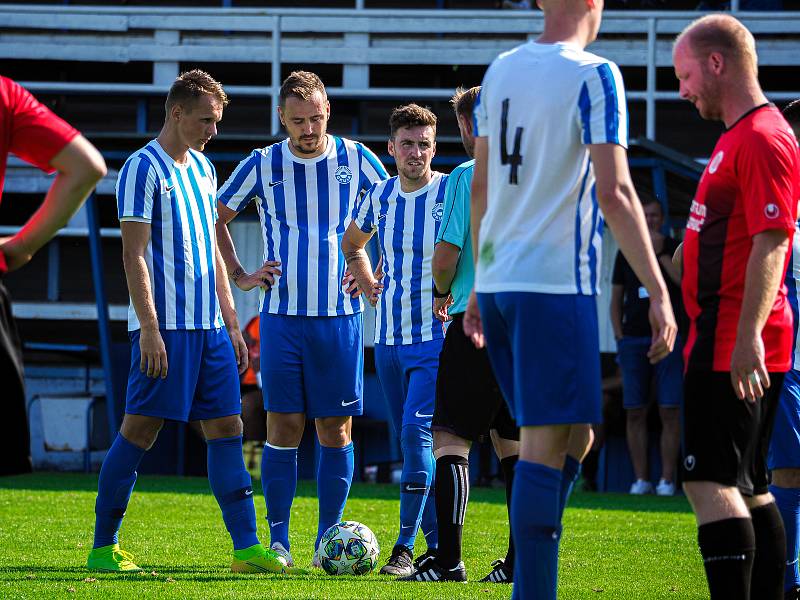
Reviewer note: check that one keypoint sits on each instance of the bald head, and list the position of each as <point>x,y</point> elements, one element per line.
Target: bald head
<point>724,35</point>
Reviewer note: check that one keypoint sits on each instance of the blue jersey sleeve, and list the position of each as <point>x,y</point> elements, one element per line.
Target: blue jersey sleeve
<point>244,184</point>
<point>364,212</point>
<point>602,109</point>
<point>137,185</point>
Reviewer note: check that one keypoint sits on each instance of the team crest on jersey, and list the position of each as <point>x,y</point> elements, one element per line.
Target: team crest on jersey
<point>343,174</point>
<point>715,162</point>
<point>437,211</point>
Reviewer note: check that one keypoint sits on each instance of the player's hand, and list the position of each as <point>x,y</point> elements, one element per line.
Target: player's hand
<point>153,360</point>
<point>473,326</point>
<point>440,306</point>
<point>664,328</point>
<point>239,349</point>
<point>15,253</point>
<point>263,277</point>
<point>749,375</point>
<point>352,288</point>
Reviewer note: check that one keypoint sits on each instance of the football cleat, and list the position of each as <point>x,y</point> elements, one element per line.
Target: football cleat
<point>257,559</point>
<point>281,551</point>
<point>399,563</point>
<point>430,570</point>
<point>500,573</point>
<point>111,559</point>
<point>640,487</point>
<point>423,557</point>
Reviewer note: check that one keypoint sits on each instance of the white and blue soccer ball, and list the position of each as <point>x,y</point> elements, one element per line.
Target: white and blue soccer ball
<point>348,548</point>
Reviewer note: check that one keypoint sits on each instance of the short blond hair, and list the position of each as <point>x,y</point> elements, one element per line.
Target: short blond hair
<point>463,101</point>
<point>724,34</point>
<point>189,86</point>
<point>302,85</point>
<point>411,115</point>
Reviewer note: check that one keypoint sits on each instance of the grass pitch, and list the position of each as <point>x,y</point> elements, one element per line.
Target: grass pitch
<point>614,546</point>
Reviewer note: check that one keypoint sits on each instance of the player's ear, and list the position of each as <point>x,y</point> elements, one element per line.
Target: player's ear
<point>716,62</point>
<point>176,112</point>
<point>280,116</point>
<point>328,109</point>
<point>391,147</point>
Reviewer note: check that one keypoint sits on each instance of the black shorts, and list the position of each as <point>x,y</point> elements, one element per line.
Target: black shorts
<point>468,400</point>
<point>725,439</point>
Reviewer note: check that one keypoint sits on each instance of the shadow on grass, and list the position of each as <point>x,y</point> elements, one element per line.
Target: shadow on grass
<point>72,482</point>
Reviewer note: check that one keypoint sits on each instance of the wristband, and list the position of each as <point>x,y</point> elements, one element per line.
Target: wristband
<point>438,294</point>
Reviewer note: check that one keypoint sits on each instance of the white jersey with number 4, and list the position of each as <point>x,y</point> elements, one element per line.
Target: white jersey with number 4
<point>540,107</point>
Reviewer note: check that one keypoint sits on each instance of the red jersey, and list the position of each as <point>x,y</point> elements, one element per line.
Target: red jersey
<point>750,185</point>
<point>252,337</point>
<point>29,130</point>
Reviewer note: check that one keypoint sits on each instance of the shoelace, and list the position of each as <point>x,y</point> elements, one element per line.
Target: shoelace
<point>127,557</point>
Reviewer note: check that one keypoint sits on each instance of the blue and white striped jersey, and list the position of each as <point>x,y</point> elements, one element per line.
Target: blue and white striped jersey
<point>542,228</point>
<point>792,281</point>
<point>407,224</point>
<point>179,202</point>
<point>304,206</point>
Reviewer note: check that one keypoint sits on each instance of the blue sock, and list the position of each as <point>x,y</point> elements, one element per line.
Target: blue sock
<point>428,524</point>
<point>535,509</point>
<point>416,443</point>
<point>233,489</point>
<point>334,476</point>
<point>279,481</point>
<point>117,477</point>
<point>788,501</point>
<point>569,475</point>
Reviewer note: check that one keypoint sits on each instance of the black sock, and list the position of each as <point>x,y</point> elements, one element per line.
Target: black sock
<point>507,465</point>
<point>728,548</point>
<point>452,494</point>
<point>770,560</point>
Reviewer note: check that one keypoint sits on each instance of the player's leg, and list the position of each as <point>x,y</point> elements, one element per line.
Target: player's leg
<point>636,375</point>
<point>581,437</point>
<point>669,385</point>
<point>784,463</point>
<point>148,402</point>
<point>718,428</point>
<point>284,400</point>
<point>217,405</point>
<point>333,367</point>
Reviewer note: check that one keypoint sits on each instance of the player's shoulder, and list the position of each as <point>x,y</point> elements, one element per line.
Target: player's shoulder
<point>765,129</point>
<point>145,157</point>
<point>379,187</point>
<point>462,174</point>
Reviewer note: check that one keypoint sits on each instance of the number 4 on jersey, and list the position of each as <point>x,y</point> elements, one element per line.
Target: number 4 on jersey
<point>514,159</point>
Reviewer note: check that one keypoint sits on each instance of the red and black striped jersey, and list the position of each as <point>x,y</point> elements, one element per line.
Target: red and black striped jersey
<point>750,185</point>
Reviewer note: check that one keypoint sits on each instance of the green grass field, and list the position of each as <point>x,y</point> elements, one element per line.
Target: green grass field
<point>614,546</point>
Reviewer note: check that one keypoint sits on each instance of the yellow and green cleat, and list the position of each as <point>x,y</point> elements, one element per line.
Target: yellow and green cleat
<point>257,559</point>
<point>111,560</point>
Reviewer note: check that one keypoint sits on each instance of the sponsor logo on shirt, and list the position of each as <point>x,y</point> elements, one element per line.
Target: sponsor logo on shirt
<point>715,162</point>
<point>771,211</point>
<point>697,216</point>
<point>343,174</point>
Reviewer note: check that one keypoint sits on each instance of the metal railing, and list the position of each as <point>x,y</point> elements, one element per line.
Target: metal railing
<point>355,38</point>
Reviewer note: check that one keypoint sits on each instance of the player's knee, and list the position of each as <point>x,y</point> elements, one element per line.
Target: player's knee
<point>636,416</point>
<point>225,427</point>
<point>415,436</point>
<point>141,431</point>
<point>333,432</point>
<point>285,430</point>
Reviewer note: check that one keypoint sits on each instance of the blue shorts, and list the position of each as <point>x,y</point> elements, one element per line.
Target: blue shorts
<point>312,365</point>
<point>637,373</point>
<point>545,353</point>
<point>202,379</point>
<point>407,374</point>
<point>784,447</point>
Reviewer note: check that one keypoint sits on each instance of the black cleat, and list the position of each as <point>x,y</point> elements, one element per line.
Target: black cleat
<point>423,557</point>
<point>430,570</point>
<point>500,573</point>
<point>399,563</point>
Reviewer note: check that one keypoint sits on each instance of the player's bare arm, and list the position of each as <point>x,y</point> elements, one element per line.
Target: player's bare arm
<point>79,167</point>
<point>443,267</point>
<point>135,236</point>
<point>228,310</point>
<point>350,284</point>
<point>472,316</point>
<point>354,243</point>
<point>762,279</point>
<point>623,213</point>
<point>677,259</point>
<point>263,277</point>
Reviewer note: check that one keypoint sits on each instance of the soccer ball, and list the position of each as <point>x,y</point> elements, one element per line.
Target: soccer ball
<point>348,548</point>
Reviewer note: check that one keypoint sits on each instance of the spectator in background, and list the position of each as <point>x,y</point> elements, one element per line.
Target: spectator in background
<point>630,303</point>
<point>39,137</point>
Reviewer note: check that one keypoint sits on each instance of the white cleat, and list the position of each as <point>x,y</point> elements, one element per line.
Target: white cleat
<point>279,549</point>
<point>665,488</point>
<point>641,487</point>
<point>315,562</point>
